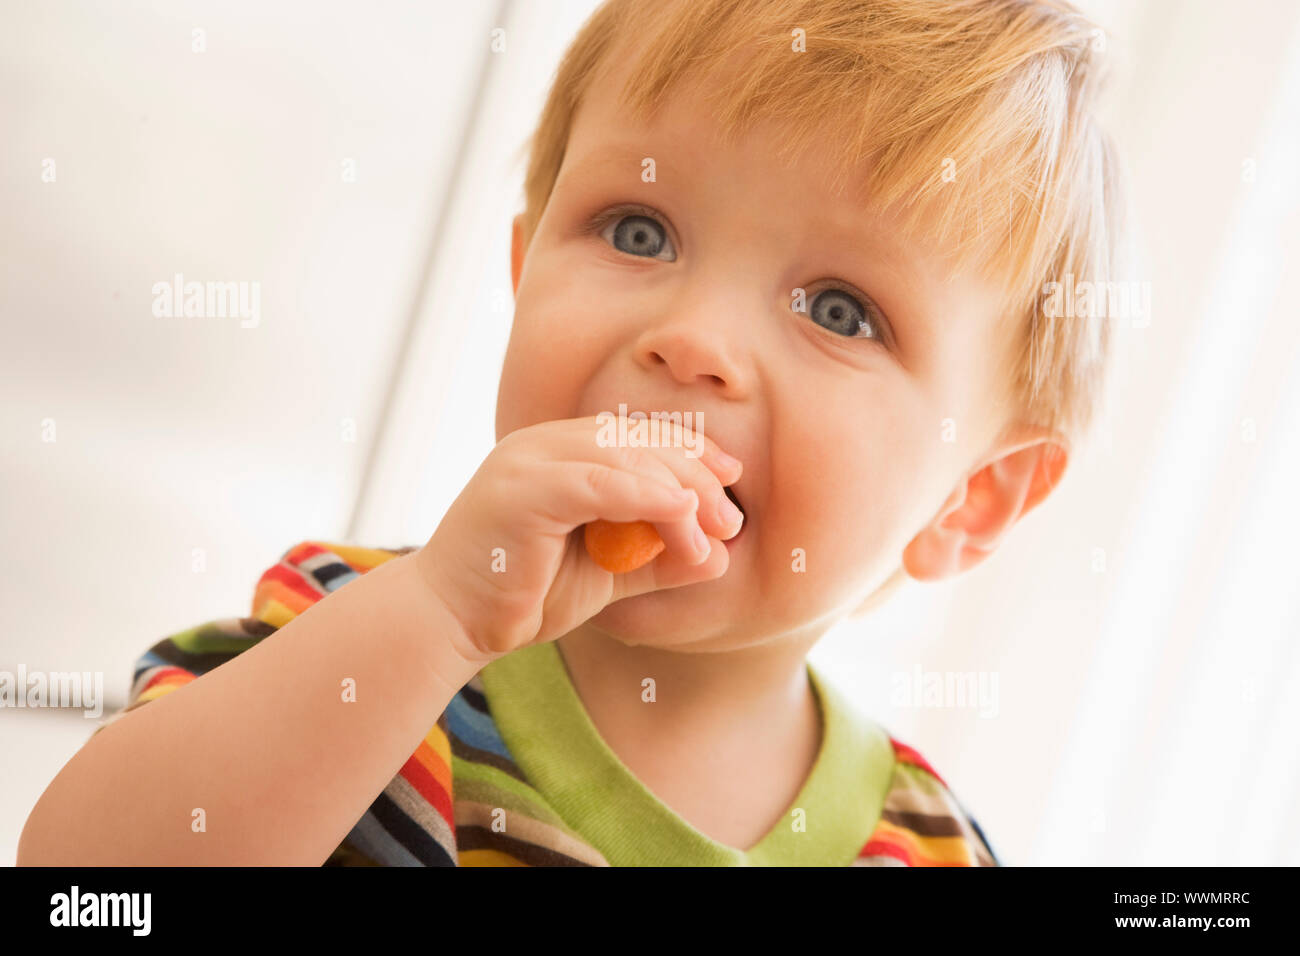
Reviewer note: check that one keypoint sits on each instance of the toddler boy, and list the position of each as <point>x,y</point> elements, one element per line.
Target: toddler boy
<point>819,227</point>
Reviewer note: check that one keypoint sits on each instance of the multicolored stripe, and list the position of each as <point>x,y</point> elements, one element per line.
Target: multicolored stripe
<point>922,823</point>
<point>448,803</point>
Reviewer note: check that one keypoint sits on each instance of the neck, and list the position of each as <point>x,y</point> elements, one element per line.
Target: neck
<point>720,700</point>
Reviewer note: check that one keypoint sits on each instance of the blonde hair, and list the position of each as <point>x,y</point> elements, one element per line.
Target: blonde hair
<point>970,121</point>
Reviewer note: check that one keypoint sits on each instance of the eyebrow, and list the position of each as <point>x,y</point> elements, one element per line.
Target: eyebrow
<point>622,156</point>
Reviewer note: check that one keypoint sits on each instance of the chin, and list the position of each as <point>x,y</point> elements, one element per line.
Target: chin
<point>656,619</point>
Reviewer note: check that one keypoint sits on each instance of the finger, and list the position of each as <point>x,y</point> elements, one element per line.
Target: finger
<point>641,498</point>
<point>580,492</point>
<point>695,444</point>
<point>717,516</point>
<point>670,571</point>
<point>567,494</point>
<point>686,538</point>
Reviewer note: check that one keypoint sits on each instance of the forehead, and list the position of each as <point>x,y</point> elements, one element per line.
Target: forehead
<point>752,176</point>
<point>684,128</point>
<point>695,162</point>
<point>694,141</point>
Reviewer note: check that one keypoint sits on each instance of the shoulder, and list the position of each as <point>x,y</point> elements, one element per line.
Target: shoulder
<point>922,823</point>
<point>309,571</point>
<point>304,573</point>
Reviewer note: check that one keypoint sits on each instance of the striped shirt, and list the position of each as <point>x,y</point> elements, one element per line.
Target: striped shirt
<point>514,772</point>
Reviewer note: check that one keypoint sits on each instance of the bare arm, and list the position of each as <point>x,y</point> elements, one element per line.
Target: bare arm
<point>265,745</point>
<point>282,767</point>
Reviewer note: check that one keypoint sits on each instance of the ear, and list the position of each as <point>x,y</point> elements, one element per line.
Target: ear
<point>517,251</point>
<point>975,519</point>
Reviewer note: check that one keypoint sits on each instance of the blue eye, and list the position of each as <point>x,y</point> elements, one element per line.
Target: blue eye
<point>841,313</point>
<point>639,235</point>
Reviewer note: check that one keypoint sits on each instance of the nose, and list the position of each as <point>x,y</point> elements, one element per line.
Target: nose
<point>695,349</point>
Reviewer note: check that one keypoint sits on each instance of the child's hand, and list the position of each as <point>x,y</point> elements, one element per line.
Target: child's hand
<point>505,560</point>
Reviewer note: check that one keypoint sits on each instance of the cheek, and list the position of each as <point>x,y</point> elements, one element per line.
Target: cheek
<point>523,397</point>
<point>847,486</point>
<point>553,349</point>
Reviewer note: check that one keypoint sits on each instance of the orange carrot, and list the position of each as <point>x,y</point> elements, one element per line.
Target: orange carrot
<point>622,546</point>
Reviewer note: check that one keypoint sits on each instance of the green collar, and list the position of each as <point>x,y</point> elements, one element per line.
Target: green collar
<point>540,717</point>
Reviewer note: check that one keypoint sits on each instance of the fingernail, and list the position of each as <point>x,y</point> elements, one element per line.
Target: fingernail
<point>701,541</point>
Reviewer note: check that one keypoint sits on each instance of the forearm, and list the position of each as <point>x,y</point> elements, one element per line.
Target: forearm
<point>266,745</point>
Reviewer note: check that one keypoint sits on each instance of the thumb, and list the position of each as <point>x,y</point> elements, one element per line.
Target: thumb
<point>670,571</point>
